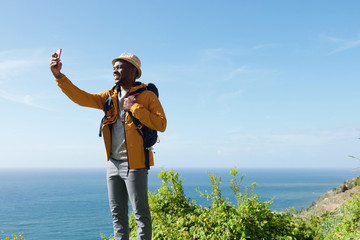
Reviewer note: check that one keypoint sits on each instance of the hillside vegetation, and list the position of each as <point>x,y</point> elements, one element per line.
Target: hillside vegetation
<point>332,200</point>
<point>335,215</point>
<point>177,217</point>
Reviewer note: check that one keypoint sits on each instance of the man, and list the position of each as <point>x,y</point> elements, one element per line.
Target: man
<point>124,150</point>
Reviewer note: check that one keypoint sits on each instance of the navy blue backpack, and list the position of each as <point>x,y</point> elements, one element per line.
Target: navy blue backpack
<point>149,136</point>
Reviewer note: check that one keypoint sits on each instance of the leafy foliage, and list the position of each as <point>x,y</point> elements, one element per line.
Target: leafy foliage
<point>177,217</point>
<point>14,237</point>
<point>107,238</point>
<point>346,223</point>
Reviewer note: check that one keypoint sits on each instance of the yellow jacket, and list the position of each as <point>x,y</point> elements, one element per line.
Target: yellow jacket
<point>147,109</point>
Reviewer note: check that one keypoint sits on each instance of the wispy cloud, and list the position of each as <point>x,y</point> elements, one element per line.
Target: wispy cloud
<point>94,75</point>
<point>223,54</point>
<point>22,99</point>
<point>9,68</point>
<point>345,44</point>
<point>266,45</point>
<point>14,62</point>
<point>321,140</point>
<point>213,52</point>
<point>234,73</point>
<point>16,67</point>
<point>230,95</point>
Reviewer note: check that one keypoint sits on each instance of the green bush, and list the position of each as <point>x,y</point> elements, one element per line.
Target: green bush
<point>175,216</point>
<point>357,181</point>
<point>14,237</point>
<point>345,224</point>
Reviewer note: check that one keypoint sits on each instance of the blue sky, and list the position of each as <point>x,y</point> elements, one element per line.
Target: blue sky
<point>243,83</point>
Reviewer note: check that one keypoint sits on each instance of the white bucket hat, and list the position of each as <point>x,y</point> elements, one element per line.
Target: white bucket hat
<point>131,58</point>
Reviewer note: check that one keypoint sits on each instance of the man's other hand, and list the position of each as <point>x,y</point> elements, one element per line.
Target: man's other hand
<point>128,103</point>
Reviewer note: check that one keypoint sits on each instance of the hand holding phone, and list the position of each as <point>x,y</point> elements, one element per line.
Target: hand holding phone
<point>55,64</point>
<point>58,53</point>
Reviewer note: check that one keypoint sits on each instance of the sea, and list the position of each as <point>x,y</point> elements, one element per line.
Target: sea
<point>61,204</point>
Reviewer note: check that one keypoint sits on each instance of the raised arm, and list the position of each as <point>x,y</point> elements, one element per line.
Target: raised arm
<point>77,95</point>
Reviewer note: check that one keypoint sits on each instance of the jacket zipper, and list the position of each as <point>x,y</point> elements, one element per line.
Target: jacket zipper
<point>127,153</point>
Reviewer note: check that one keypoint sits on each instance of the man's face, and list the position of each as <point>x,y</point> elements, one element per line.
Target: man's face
<point>123,73</point>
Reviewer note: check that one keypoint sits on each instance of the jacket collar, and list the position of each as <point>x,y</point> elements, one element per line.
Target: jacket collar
<point>136,86</point>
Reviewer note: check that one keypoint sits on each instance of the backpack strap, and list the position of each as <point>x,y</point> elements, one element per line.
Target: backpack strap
<point>137,92</point>
<point>140,126</point>
<point>153,88</point>
<point>136,121</point>
<point>107,107</point>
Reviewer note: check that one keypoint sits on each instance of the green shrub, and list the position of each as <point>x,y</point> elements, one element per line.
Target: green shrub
<point>175,216</point>
<point>14,237</point>
<point>106,238</point>
<point>346,224</point>
<point>357,181</point>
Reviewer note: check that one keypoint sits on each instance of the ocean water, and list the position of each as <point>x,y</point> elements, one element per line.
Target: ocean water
<point>61,204</point>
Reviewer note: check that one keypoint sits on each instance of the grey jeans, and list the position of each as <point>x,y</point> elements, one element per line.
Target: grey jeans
<point>122,187</point>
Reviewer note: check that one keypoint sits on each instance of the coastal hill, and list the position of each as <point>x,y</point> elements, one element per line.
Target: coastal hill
<point>331,201</point>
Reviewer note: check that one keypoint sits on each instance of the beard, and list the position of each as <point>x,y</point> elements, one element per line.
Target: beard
<point>122,79</point>
<point>119,78</point>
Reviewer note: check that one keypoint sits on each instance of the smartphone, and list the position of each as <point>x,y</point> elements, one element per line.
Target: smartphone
<point>58,53</point>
